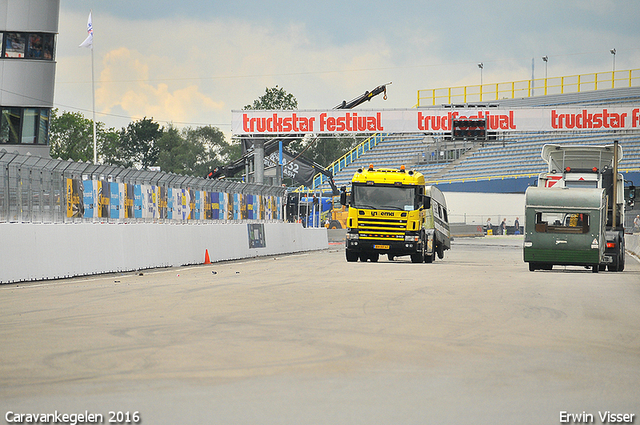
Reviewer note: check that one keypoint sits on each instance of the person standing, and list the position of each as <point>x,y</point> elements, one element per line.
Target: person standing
<point>488,227</point>
<point>636,224</point>
<point>503,227</point>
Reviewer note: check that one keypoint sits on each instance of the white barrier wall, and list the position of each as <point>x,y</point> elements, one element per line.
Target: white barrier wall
<point>632,243</point>
<point>51,251</point>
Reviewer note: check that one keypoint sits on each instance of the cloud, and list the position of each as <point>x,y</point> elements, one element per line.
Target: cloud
<point>124,83</point>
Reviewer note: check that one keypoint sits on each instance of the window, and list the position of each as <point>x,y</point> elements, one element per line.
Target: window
<point>24,126</point>
<point>43,130</point>
<point>10,125</point>
<point>402,198</point>
<point>14,46</point>
<point>35,48</point>
<point>27,45</point>
<point>562,222</point>
<point>29,128</point>
<point>48,46</point>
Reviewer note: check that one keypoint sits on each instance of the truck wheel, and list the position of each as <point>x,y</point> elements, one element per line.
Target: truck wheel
<point>532,267</point>
<point>391,257</point>
<point>621,259</point>
<point>335,224</point>
<point>440,253</point>
<point>374,257</point>
<point>418,257</point>
<point>363,257</point>
<point>352,256</point>
<point>595,268</point>
<point>429,258</point>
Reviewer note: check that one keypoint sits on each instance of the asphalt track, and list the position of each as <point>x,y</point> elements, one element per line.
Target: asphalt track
<point>311,339</point>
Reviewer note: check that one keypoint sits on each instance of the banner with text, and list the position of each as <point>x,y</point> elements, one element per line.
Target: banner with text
<point>432,120</point>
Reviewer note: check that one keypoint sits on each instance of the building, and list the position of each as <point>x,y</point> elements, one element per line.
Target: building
<point>28,30</point>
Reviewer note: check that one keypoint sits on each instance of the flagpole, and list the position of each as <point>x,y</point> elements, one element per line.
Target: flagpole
<point>93,95</point>
<point>88,42</point>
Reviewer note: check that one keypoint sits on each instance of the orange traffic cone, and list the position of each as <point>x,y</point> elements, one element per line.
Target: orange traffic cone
<point>206,257</point>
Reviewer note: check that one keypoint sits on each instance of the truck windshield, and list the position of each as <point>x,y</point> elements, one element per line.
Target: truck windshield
<point>384,197</point>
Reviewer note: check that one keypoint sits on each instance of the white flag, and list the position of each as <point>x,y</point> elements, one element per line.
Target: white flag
<point>88,42</point>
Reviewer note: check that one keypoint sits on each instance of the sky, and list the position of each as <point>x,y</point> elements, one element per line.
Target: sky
<point>190,63</point>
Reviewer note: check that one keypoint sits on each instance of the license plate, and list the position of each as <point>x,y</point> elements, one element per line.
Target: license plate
<point>381,247</point>
<point>607,259</point>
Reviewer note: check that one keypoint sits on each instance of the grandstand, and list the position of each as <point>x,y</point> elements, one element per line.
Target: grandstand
<point>506,165</point>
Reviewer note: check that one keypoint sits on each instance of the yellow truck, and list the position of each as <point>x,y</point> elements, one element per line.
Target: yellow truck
<point>393,212</point>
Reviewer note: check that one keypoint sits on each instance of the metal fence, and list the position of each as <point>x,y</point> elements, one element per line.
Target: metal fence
<point>41,190</point>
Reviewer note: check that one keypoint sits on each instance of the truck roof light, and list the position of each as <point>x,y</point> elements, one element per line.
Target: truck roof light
<point>594,169</point>
<point>567,170</point>
<point>370,167</point>
<point>402,168</point>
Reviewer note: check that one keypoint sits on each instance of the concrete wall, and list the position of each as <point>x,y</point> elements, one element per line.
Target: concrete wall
<point>632,243</point>
<point>50,251</point>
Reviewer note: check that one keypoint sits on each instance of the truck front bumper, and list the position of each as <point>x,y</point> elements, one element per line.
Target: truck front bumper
<point>395,247</point>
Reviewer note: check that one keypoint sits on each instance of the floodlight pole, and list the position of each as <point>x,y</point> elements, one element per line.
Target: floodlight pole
<point>613,69</point>
<point>546,62</point>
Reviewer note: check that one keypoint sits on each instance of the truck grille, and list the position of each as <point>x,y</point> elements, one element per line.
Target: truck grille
<point>378,228</point>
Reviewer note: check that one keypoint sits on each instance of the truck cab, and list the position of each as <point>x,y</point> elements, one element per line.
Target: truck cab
<point>392,212</point>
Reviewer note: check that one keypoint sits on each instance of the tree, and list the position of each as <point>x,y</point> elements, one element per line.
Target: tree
<point>137,145</point>
<point>71,136</point>
<point>194,151</point>
<point>174,156</point>
<point>274,98</point>
<point>217,150</point>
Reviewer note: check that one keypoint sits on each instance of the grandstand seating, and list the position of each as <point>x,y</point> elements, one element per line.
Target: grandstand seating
<point>514,155</point>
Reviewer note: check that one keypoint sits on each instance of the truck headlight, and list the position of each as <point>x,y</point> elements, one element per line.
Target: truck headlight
<point>353,236</point>
<point>411,238</point>
<point>528,244</point>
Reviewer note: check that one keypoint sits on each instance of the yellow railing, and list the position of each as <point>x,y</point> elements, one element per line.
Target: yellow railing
<point>529,88</point>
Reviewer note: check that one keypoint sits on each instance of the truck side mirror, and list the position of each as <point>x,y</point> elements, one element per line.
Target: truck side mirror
<point>343,195</point>
<point>426,202</point>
